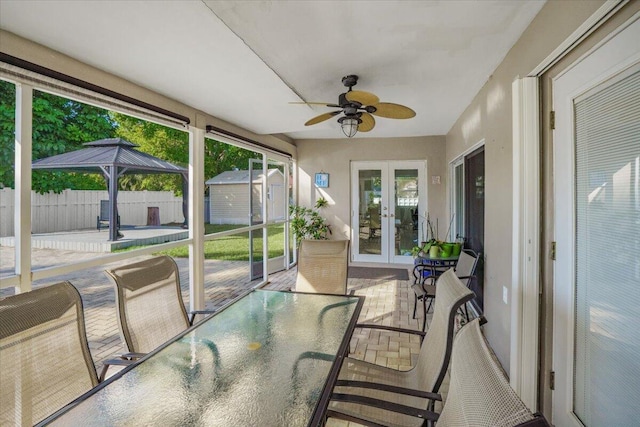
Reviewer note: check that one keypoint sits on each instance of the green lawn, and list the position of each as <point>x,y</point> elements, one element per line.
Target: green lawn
<point>236,247</point>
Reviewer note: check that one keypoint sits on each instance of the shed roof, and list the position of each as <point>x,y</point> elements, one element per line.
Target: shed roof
<point>239,177</point>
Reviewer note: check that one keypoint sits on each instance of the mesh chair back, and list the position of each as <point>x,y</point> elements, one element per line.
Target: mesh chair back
<point>466,265</point>
<point>149,303</point>
<point>322,266</point>
<point>45,361</point>
<point>433,359</point>
<point>479,393</point>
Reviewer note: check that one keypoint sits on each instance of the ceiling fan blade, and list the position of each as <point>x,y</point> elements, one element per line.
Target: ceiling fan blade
<point>393,111</point>
<point>364,98</point>
<point>326,104</point>
<point>368,122</point>
<point>322,118</point>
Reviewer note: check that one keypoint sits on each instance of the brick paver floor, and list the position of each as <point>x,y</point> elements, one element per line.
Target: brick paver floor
<point>387,302</point>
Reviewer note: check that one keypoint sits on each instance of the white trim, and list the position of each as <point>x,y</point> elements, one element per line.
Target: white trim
<point>616,56</point>
<point>525,285</point>
<point>600,16</point>
<point>452,191</point>
<point>53,86</point>
<point>196,219</point>
<point>468,151</point>
<point>22,209</point>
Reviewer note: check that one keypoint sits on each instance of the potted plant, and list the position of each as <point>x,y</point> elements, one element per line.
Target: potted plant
<point>307,223</point>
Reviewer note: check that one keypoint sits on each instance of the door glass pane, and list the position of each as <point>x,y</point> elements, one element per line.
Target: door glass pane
<point>607,265</point>
<point>369,225</point>
<point>276,211</point>
<point>474,219</point>
<point>256,179</point>
<point>7,175</point>
<point>406,210</point>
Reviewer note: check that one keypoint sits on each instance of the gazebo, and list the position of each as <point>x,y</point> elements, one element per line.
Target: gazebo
<point>113,158</point>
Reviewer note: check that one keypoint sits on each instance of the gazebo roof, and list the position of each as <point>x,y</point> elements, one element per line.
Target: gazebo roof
<point>108,152</point>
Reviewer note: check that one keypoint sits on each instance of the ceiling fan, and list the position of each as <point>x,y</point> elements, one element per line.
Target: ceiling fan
<point>358,108</point>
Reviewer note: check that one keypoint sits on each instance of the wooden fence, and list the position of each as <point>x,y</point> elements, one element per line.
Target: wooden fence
<point>79,209</point>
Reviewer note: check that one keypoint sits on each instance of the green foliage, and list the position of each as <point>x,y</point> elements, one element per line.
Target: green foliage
<point>307,223</point>
<point>59,125</point>
<point>172,145</point>
<point>160,141</point>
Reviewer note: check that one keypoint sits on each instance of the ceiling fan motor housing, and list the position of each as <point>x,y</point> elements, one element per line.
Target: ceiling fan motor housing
<point>350,80</point>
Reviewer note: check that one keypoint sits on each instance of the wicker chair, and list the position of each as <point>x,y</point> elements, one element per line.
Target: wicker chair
<point>322,266</point>
<point>368,380</point>
<point>426,289</point>
<point>44,356</point>
<point>149,303</point>
<point>479,393</point>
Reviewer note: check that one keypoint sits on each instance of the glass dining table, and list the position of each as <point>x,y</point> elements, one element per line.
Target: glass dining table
<point>269,358</point>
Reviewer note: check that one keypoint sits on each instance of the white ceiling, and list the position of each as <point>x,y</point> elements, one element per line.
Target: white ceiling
<point>244,61</point>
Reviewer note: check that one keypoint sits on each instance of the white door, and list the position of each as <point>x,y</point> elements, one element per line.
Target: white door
<point>388,200</point>
<point>596,343</point>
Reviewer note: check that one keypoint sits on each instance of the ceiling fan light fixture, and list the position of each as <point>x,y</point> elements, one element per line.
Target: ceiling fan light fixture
<point>349,125</point>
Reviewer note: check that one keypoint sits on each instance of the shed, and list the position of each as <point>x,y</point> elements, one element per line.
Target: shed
<point>230,191</point>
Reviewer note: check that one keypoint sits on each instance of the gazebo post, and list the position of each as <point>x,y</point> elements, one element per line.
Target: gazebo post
<point>113,206</point>
<point>185,200</point>
<point>113,157</point>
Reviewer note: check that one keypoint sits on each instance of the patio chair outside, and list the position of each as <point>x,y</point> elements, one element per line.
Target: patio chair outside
<point>322,266</point>
<point>369,380</point>
<point>44,355</point>
<point>149,303</point>
<point>479,393</point>
<point>103,219</point>
<point>464,269</point>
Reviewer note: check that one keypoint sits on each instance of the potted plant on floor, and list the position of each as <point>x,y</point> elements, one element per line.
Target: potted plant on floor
<point>307,223</point>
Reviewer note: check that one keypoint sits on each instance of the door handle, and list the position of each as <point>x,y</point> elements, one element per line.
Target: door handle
<point>384,215</point>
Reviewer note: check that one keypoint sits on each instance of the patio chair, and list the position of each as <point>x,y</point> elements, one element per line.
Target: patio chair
<point>423,290</point>
<point>479,393</point>
<point>413,387</point>
<point>322,266</point>
<point>149,303</point>
<point>44,355</point>
<point>103,219</point>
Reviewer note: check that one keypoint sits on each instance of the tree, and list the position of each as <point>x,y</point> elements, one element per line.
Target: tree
<point>172,145</point>
<point>60,125</point>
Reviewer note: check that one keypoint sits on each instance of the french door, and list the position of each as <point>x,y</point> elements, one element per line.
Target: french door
<point>388,205</point>
<point>597,221</point>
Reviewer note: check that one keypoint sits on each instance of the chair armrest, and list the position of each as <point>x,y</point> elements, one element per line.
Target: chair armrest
<point>113,362</point>
<point>390,328</point>
<point>388,387</point>
<point>131,356</point>
<point>192,314</point>
<point>383,404</point>
<point>538,421</point>
<point>393,329</point>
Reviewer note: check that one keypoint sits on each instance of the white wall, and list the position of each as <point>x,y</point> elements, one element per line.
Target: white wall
<point>334,156</point>
<point>489,117</point>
